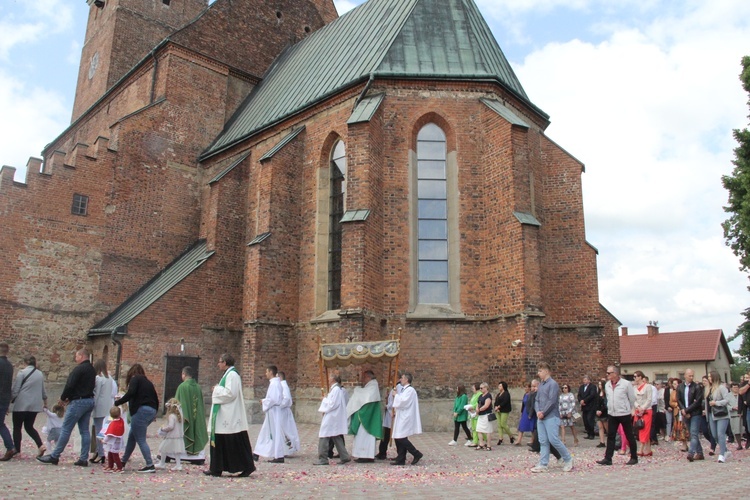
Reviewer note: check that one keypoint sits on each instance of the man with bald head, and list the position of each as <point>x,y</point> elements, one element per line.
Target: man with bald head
<point>690,399</point>
<point>78,399</point>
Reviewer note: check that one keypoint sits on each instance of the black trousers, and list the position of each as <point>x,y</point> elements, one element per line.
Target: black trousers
<point>589,422</point>
<point>25,419</point>
<point>383,449</point>
<point>627,425</point>
<point>403,445</point>
<point>536,448</point>
<point>457,427</point>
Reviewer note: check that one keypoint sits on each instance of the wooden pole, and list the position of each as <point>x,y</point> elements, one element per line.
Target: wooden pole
<point>395,381</point>
<point>323,378</point>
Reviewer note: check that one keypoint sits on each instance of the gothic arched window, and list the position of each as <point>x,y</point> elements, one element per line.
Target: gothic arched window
<point>337,201</point>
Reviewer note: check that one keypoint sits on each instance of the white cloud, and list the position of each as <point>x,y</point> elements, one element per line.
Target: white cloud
<point>649,110</point>
<point>32,22</point>
<point>344,6</point>
<point>32,116</point>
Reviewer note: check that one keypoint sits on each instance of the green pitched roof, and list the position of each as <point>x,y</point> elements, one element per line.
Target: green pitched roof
<point>423,39</point>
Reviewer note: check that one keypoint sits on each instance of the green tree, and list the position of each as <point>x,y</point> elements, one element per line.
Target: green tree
<point>737,226</point>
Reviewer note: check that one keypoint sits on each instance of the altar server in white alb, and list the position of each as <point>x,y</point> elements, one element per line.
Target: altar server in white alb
<point>271,441</point>
<point>287,418</point>
<point>365,418</point>
<point>407,422</point>
<point>334,424</point>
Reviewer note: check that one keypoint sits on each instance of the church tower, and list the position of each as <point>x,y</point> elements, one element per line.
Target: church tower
<point>120,33</point>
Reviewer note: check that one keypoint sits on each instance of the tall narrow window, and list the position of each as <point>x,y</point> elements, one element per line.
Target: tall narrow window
<point>432,216</point>
<point>336,212</point>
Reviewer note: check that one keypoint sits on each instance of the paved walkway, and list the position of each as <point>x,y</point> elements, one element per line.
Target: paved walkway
<point>445,472</point>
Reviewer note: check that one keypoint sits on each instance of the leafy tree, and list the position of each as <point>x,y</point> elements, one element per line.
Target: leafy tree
<point>737,226</point>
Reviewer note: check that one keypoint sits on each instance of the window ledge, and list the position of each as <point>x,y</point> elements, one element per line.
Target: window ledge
<point>328,317</point>
<point>434,312</point>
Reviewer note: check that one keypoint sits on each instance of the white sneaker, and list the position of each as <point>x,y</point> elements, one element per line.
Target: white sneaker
<point>539,468</point>
<point>469,442</point>
<point>160,466</point>
<point>452,443</point>
<point>721,459</point>
<point>176,468</point>
<point>560,462</point>
<point>568,466</point>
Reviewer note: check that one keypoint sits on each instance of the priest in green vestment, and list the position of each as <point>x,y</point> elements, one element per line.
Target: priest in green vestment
<point>365,418</point>
<point>190,396</point>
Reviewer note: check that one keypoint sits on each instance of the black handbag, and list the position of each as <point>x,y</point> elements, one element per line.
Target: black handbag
<point>492,417</point>
<point>719,411</point>
<point>639,424</point>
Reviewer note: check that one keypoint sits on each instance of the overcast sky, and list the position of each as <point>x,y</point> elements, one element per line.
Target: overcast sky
<point>644,93</point>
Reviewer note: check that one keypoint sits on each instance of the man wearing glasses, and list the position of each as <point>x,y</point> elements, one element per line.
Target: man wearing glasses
<point>620,411</point>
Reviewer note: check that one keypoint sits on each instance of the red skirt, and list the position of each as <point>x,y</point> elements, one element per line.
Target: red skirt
<point>644,435</point>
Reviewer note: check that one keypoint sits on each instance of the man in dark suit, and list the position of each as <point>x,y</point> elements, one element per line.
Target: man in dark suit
<point>587,395</point>
<point>690,399</point>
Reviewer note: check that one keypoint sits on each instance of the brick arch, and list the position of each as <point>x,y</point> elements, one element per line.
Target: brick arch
<point>440,121</point>
<point>327,148</point>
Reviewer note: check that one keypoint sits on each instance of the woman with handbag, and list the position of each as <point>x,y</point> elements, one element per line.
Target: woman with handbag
<point>643,413</point>
<point>29,398</point>
<point>716,397</point>
<point>502,409</point>
<point>567,407</point>
<point>484,412</point>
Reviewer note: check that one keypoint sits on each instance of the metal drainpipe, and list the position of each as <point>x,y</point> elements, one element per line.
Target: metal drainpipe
<point>364,90</point>
<point>153,77</point>
<point>118,359</point>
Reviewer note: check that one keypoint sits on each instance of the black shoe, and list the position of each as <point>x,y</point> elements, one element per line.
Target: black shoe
<point>381,457</point>
<point>334,456</point>
<point>149,469</point>
<point>604,462</point>
<point>396,462</point>
<point>601,445</point>
<point>94,458</point>
<point>499,442</point>
<point>244,474</point>
<point>209,473</point>
<point>417,458</point>
<point>255,457</point>
<point>81,463</point>
<point>48,459</point>
<point>276,461</point>
<point>364,460</point>
<point>632,461</point>
<point>512,440</point>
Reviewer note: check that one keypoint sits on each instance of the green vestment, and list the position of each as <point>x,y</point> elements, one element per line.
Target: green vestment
<point>190,396</point>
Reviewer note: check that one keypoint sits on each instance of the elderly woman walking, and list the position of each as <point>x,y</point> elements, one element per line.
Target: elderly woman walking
<point>30,397</point>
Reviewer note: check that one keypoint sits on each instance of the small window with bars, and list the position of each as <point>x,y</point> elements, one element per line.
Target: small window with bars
<point>80,204</point>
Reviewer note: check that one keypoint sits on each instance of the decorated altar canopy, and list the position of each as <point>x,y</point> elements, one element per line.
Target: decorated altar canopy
<point>344,354</point>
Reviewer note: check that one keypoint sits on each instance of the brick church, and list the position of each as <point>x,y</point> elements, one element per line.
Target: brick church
<point>250,175</point>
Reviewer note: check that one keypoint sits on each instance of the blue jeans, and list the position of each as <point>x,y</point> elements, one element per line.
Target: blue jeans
<point>4,432</point>
<point>77,412</point>
<point>719,432</point>
<point>695,435</point>
<point>98,424</point>
<point>548,429</point>
<point>138,425</point>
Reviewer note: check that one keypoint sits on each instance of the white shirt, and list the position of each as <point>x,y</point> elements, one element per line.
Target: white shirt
<point>333,409</point>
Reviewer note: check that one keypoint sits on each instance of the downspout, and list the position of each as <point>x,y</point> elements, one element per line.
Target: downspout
<point>153,76</point>
<point>364,90</point>
<point>118,358</point>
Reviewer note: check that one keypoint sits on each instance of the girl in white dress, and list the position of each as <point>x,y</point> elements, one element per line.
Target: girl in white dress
<point>173,434</point>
